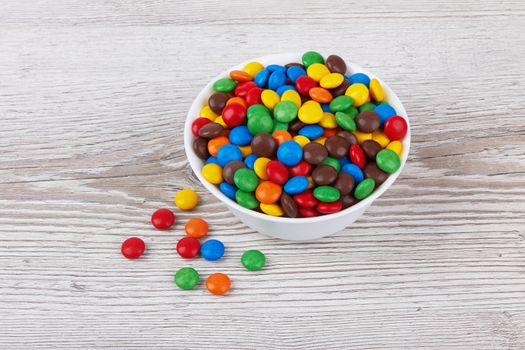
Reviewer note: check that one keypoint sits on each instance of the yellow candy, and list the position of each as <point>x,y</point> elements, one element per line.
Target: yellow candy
<point>310,112</point>
<point>260,167</point>
<point>270,98</point>
<point>246,150</point>
<point>361,136</point>
<point>187,199</point>
<point>376,90</point>
<point>301,140</point>
<point>253,68</point>
<point>320,140</point>
<point>212,173</point>
<point>219,120</point>
<point>272,209</point>
<point>207,113</point>
<point>310,182</point>
<point>291,95</point>
<point>317,71</point>
<point>396,146</point>
<point>328,121</point>
<point>379,137</point>
<point>358,92</point>
<point>332,80</point>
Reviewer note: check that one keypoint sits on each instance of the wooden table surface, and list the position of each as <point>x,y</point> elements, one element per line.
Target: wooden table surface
<point>93,96</point>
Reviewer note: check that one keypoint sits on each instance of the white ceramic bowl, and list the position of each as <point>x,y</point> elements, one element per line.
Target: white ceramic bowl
<point>283,227</point>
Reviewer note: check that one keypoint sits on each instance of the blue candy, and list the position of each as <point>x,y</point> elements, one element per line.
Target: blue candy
<point>360,78</point>
<point>240,135</point>
<point>311,131</point>
<point>277,79</point>
<point>227,153</point>
<point>343,161</point>
<point>289,153</point>
<point>326,107</point>
<point>262,78</point>
<point>280,91</point>
<point>250,160</point>
<point>385,111</point>
<point>275,67</point>
<point>228,190</point>
<point>212,250</point>
<point>295,72</point>
<point>212,160</point>
<point>355,171</point>
<point>296,184</point>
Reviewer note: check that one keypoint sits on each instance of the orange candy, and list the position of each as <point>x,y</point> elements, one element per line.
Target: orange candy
<point>215,143</point>
<point>240,76</point>
<point>320,95</point>
<point>218,283</point>
<point>268,192</point>
<point>196,227</point>
<point>238,100</point>
<point>281,136</point>
<point>330,132</point>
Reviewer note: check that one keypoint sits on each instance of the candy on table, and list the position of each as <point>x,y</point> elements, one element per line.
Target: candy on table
<point>212,250</point>
<point>162,219</point>
<point>218,283</point>
<point>186,278</point>
<point>188,247</point>
<point>187,199</point>
<point>196,228</point>
<point>299,140</point>
<point>133,248</point>
<point>253,260</point>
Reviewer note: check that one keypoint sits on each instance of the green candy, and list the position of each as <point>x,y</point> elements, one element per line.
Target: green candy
<point>257,110</point>
<point>253,260</point>
<point>334,163</point>
<point>285,111</point>
<point>279,126</point>
<point>351,111</point>
<point>246,199</point>
<point>367,107</point>
<point>345,121</point>
<point>312,57</point>
<point>186,278</point>
<point>327,193</point>
<point>364,188</point>
<point>259,124</point>
<point>388,161</point>
<point>245,179</point>
<point>340,103</point>
<point>224,85</point>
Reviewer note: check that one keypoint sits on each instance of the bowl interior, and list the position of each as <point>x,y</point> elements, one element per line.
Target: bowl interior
<point>196,163</point>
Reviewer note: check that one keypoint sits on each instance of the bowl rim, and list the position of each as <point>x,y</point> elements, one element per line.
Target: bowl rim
<point>283,58</point>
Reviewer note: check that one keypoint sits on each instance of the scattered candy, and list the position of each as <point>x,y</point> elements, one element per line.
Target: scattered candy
<point>133,248</point>
<point>212,250</point>
<point>187,199</point>
<point>186,278</point>
<point>188,247</point>
<point>196,228</point>
<point>218,283</point>
<point>162,219</point>
<point>253,260</point>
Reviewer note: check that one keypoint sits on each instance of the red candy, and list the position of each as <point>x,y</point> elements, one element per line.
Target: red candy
<point>253,96</point>
<point>162,219</point>
<point>357,156</point>
<point>307,212</point>
<point>133,248</point>
<point>305,199</point>
<point>188,247</point>
<point>277,172</point>
<point>304,83</point>
<point>242,89</point>
<point>395,128</point>
<point>301,169</point>
<point>234,114</point>
<point>329,207</point>
<point>198,124</point>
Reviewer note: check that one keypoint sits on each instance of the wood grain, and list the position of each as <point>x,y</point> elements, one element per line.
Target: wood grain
<point>93,96</point>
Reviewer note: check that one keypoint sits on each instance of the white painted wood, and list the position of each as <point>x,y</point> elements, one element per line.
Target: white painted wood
<point>92,100</point>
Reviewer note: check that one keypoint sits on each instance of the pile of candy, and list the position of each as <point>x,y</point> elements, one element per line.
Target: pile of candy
<point>299,140</point>
<point>189,247</point>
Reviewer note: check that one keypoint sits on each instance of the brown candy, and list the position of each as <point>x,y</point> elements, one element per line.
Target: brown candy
<point>341,89</point>
<point>372,171</point>
<point>344,183</point>
<point>217,101</point>
<point>264,145</point>
<point>289,206</point>
<point>348,200</point>
<point>367,121</point>
<point>314,153</point>
<point>288,65</point>
<point>210,130</point>
<point>295,125</point>
<point>336,64</point>
<point>230,169</point>
<point>337,146</point>
<point>370,148</point>
<point>348,136</point>
<point>200,147</point>
<point>324,175</point>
